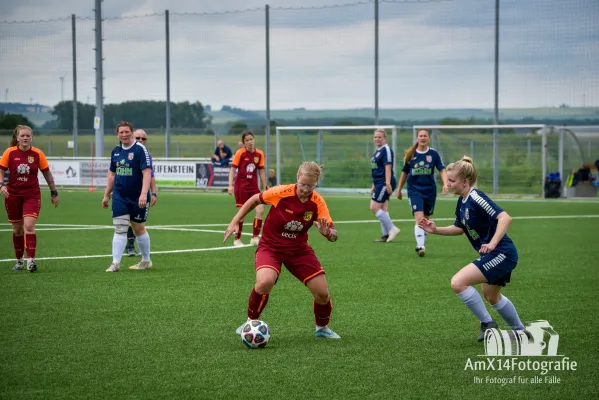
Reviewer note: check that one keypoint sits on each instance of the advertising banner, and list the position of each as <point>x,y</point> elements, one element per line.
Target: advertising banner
<point>211,176</point>
<point>64,173</point>
<point>174,173</point>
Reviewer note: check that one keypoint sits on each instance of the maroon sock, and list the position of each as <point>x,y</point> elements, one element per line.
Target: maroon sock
<point>19,245</point>
<point>30,244</point>
<point>257,227</point>
<point>256,304</point>
<point>322,313</point>
<point>239,229</point>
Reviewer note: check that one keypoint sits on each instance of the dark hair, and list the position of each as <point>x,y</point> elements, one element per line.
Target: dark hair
<point>245,134</point>
<point>410,151</point>
<point>14,141</point>
<point>124,123</point>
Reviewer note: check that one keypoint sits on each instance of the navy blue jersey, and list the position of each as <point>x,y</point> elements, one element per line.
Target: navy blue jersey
<point>477,216</point>
<point>128,164</point>
<point>381,157</point>
<point>421,171</point>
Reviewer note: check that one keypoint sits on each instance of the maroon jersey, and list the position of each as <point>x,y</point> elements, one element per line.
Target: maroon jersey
<point>247,165</point>
<point>23,167</point>
<point>287,223</point>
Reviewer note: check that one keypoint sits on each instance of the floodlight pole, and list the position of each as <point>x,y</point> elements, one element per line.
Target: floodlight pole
<point>496,116</point>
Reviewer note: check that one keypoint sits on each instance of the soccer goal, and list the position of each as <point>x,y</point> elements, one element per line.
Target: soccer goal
<point>345,151</point>
<point>510,159</point>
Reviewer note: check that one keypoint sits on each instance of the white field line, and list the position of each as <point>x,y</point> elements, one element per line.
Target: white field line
<point>182,228</point>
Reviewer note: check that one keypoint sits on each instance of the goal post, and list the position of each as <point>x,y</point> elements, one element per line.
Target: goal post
<point>511,159</point>
<point>344,150</point>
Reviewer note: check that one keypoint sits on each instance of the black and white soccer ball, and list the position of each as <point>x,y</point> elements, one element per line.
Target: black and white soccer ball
<point>255,334</point>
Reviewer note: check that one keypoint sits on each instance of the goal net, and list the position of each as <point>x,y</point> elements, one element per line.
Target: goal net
<point>345,151</point>
<point>510,159</point>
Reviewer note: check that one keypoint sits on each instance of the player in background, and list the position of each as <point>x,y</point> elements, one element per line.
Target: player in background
<point>485,224</point>
<point>294,209</point>
<point>419,169</point>
<point>248,162</point>
<point>22,195</point>
<point>129,178</point>
<point>383,184</point>
<point>141,137</point>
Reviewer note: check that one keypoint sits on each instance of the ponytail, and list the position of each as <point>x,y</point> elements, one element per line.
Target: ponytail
<point>409,153</point>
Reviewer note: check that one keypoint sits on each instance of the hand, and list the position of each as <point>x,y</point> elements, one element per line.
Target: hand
<point>487,248</point>
<point>445,189</point>
<point>153,200</point>
<point>389,188</point>
<point>54,201</point>
<point>230,190</point>
<point>231,229</point>
<point>427,225</point>
<point>399,194</point>
<point>322,226</point>
<point>105,201</point>
<point>4,191</point>
<point>143,200</point>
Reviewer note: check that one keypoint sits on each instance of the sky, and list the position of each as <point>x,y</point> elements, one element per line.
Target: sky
<point>432,53</point>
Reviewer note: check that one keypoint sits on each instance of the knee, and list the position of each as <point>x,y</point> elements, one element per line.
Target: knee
<point>492,298</point>
<point>322,297</point>
<point>18,230</point>
<point>121,225</point>
<point>374,208</point>
<point>264,284</point>
<point>28,229</point>
<point>457,285</point>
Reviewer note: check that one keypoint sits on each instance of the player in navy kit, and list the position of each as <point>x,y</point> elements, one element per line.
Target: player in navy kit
<point>485,224</point>
<point>129,180</point>
<point>419,168</point>
<point>383,184</point>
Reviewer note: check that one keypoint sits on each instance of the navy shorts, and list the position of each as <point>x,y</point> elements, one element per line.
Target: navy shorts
<point>379,194</point>
<point>122,207</point>
<point>497,266</point>
<point>425,204</point>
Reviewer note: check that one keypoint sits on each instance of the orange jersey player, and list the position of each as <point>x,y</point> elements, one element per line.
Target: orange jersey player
<point>248,161</point>
<point>294,209</point>
<point>22,196</point>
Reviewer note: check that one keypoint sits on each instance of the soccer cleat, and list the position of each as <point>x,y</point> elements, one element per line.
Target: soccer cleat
<point>130,251</point>
<point>420,251</point>
<point>114,267</point>
<point>382,239</point>
<point>238,243</point>
<point>483,328</point>
<point>326,332</point>
<point>238,330</point>
<point>31,266</point>
<point>18,266</point>
<point>142,265</point>
<point>393,233</point>
<point>254,241</point>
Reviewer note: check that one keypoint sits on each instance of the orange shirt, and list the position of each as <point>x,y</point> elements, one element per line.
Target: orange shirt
<point>23,167</point>
<point>288,221</point>
<point>247,165</point>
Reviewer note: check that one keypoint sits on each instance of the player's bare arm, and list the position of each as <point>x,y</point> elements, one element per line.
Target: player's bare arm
<point>3,188</point>
<point>402,181</point>
<point>503,222</point>
<point>444,179</point>
<point>50,181</point>
<point>249,205</point>
<point>153,188</point>
<point>263,179</point>
<point>108,190</point>
<point>147,179</point>
<point>430,227</point>
<point>231,177</point>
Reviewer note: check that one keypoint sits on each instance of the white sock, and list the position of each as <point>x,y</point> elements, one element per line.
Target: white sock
<point>383,229</point>
<point>30,260</point>
<point>119,242</point>
<point>143,242</point>
<point>420,236</point>
<point>474,302</point>
<point>506,309</point>
<point>385,219</point>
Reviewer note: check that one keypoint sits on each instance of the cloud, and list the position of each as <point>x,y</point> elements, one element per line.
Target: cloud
<point>431,54</point>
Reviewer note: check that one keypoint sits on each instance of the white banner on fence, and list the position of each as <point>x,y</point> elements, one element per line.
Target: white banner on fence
<point>99,169</point>
<point>174,170</point>
<point>64,173</point>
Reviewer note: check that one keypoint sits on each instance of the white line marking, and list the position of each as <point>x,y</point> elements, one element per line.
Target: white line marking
<point>81,228</point>
<point>153,253</point>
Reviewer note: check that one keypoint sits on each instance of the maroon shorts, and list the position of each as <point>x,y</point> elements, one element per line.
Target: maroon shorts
<point>18,207</point>
<point>243,195</point>
<point>303,265</point>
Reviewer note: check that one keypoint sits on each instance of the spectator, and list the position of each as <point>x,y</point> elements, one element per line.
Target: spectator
<point>240,145</point>
<point>272,178</point>
<point>222,154</point>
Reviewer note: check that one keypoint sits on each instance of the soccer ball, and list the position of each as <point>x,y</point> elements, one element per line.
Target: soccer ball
<point>255,334</point>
